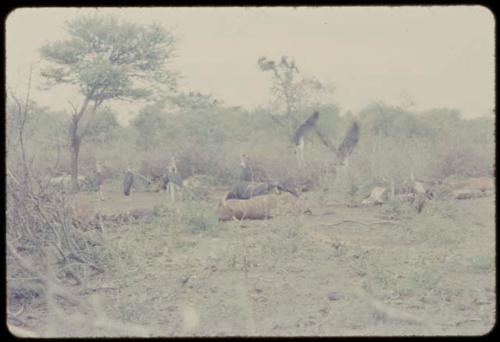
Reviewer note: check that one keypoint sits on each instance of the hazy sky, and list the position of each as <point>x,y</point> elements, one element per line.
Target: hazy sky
<point>433,56</point>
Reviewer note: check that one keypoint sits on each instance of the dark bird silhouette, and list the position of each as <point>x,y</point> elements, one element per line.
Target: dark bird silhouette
<point>420,202</point>
<point>128,181</point>
<point>164,181</point>
<point>349,142</point>
<point>171,177</point>
<point>97,181</point>
<point>305,127</point>
<point>298,137</point>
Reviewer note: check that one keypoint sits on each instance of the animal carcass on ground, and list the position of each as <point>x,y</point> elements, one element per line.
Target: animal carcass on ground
<point>469,187</point>
<point>258,207</point>
<point>377,196</point>
<point>246,190</point>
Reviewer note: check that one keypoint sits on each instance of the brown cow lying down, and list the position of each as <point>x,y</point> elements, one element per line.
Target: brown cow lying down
<point>259,207</point>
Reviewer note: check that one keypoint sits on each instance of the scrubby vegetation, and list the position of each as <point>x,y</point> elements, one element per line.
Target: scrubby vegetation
<point>394,144</point>
<point>54,259</point>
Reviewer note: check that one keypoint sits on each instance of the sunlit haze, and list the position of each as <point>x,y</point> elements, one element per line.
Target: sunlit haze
<point>418,57</point>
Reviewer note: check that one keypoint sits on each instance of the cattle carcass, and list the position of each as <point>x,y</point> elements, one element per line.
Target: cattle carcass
<point>377,196</point>
<point>470,187</point>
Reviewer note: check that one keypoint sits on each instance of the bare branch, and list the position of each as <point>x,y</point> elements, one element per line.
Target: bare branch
<point>28,91</point>
<point>74,107</point>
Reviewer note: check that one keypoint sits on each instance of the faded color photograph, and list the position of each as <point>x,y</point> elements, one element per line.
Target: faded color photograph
<point>250,171</point>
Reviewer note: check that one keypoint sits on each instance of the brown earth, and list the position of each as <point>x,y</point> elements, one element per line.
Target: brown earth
<point>341,270</point>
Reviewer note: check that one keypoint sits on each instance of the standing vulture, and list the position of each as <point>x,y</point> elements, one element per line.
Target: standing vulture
<point>164,181</point>
<point>128,181</point>
<point>251,171</point>
<point>97,181</point>
<point>170,177</point>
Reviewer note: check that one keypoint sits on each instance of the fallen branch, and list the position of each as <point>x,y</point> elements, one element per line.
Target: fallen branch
<point>361,223</point>
<point>17,313</point>
<point>59,290</point>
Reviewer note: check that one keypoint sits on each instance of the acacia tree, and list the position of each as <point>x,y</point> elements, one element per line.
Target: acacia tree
<point>294,93</point>
<point>290,91</point>
<point>106,59</point>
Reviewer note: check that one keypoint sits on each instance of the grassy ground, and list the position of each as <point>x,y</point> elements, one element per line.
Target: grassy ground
<point>338,271</point>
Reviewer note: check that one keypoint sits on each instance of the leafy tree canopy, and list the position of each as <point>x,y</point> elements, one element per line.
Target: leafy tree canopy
<point>109,59</point>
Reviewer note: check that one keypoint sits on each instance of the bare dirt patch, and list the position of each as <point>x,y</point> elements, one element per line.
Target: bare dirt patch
<point>338,271</point>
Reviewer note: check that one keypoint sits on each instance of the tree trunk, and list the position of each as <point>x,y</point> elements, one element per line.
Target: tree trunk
<point>74,150</point>
<point>26,178</point>
<point>289,117</point>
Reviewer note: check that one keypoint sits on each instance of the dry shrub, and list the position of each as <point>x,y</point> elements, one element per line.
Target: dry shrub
<point>205,160</point>
<point>48,254</point>
<point>460,155</point>
<point>153,164</point>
